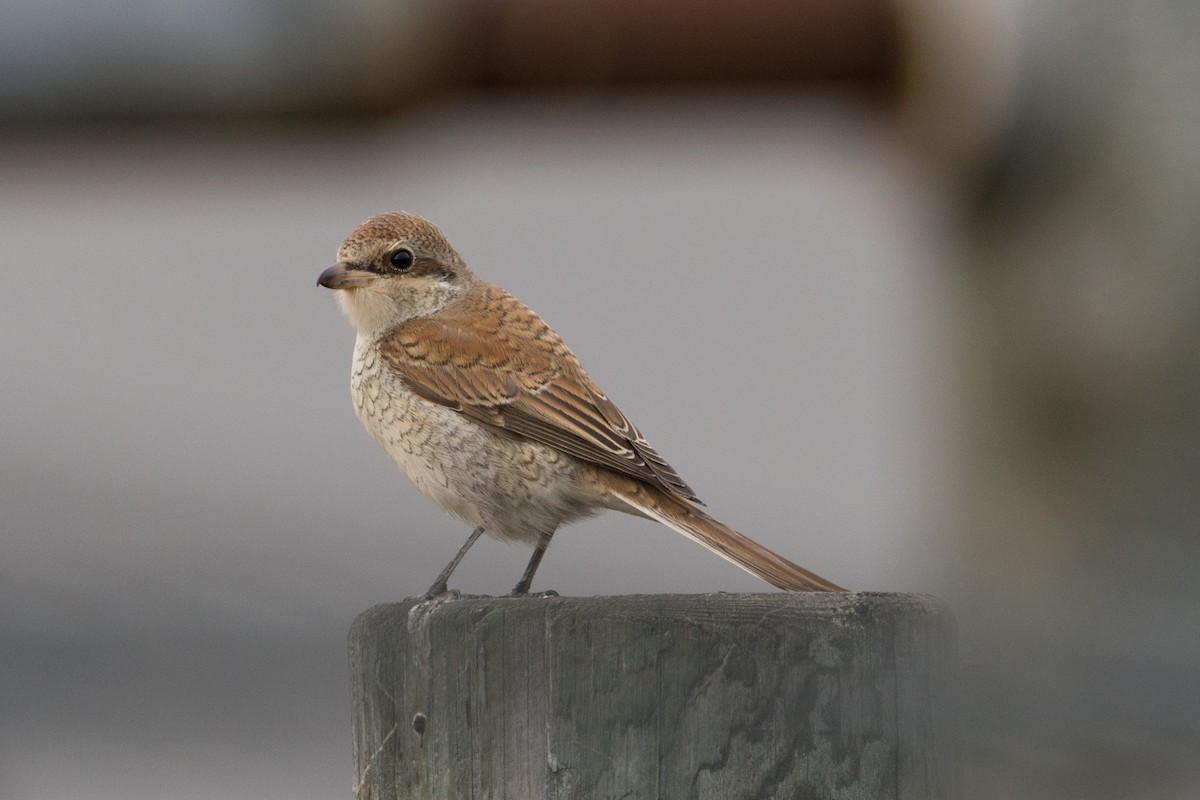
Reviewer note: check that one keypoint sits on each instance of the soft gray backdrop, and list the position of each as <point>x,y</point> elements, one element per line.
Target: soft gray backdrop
<point>191,515</point>
<point>947,344</point>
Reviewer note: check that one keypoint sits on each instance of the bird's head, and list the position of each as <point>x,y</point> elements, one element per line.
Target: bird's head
<point>395,267</point>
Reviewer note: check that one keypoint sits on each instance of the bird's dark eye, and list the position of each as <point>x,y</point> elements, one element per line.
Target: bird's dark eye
<point>401,260</point>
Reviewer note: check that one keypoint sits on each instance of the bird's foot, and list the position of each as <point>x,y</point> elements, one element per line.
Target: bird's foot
<point>438,592</point>
<point>520,591</point>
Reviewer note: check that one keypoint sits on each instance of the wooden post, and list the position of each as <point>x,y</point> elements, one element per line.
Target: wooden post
<point>728,697</point>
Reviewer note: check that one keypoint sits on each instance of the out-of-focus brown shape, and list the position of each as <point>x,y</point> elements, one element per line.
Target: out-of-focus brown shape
<point>573,43</point>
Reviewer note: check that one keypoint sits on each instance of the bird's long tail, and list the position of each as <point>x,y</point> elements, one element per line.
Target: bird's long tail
<point>683,517</point>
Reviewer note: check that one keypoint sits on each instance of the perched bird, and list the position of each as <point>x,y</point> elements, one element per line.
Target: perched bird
<point>491,415</point>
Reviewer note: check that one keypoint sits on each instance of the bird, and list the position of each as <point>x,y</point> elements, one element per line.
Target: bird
<point>489,413</point>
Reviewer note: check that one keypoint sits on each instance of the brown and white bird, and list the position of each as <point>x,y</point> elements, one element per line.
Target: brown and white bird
<point>491,415</point>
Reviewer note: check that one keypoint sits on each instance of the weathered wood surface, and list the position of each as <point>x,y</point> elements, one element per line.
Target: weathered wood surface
<point>728,697</point>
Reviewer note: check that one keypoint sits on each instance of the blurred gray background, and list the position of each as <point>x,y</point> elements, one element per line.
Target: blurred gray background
<point>918,310</point>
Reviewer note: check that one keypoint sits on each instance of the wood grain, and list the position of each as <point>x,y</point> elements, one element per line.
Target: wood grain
<point>811,695</point>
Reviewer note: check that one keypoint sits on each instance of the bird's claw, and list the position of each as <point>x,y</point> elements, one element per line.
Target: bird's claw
<point>439,592</point>
<point>519,592</point>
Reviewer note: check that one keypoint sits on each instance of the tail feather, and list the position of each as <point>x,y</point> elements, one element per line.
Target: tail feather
<point>721,539</point>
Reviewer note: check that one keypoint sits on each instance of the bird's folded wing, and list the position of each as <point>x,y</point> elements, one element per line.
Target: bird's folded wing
<point>533,388</point>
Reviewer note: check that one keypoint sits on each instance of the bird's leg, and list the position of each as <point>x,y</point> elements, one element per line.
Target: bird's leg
<point>439,585</point>
<point>522,587</point>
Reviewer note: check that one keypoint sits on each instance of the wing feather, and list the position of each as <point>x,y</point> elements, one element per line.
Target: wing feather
<point>468,359</point>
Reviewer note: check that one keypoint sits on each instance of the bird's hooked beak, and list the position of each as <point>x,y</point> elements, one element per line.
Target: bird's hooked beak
<point>344,276</point>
